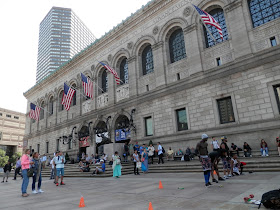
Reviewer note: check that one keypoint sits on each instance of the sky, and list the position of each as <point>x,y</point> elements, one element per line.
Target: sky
<point>19,26</point>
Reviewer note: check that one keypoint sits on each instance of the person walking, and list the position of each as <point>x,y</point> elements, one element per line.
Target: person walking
<point>7,170</point>
<point>204,159</point>
<point>25,162</point>
<point>160,153</point>
<point>145,158</point>
<point>59,164</point>
<point>136,160</point>
<point>278,144</point>
<point>116,165</point>
<point>18,167</point>
<point>37,176</point>
<point>151,153</point>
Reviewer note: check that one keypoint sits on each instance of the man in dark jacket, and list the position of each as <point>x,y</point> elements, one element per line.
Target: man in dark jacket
<point>7,169</point>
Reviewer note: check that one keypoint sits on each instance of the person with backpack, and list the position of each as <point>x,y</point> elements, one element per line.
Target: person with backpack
<point>160,153</point>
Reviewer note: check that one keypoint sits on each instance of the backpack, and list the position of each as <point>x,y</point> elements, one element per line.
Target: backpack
<point>187,157</point>
<point>163,150</point>
<point>271,199</point>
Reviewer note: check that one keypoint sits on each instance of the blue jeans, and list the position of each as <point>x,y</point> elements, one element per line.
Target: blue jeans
<point>34,182</point>
<point>266,151</point>
<point>25,181</point>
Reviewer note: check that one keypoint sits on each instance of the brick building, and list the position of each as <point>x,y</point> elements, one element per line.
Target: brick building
<point>177,83</point>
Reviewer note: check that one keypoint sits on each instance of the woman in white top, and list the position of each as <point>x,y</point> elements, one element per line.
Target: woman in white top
<point>136,159</point>
<point>151,151</point>
<point>215,144</point>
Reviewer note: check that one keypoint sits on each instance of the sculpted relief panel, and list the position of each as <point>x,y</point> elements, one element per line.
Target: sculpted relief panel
<point>86,107</point>
<point>102,100</point>
<point>122,92</point>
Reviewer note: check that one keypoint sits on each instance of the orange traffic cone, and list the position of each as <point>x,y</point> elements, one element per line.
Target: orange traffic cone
<point>150,206</point>
<point>82,202</point>
<point>160,185</point>
<point>215,173</point>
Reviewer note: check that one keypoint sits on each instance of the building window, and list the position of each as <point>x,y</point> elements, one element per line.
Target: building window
<point>38,148</point>
<point>147,60</point>
<point>149,126</point>
<point>57,145</point>
<point>225,110</point>
<point>104,81</point>
<point>47,147</point>
<point>124,71</point>
<point>0,135</point>
<point>8,115</point>
<point>42,111</point>
<point>218,15</point>
<point>273,41</point>
<point>219,62</point>
<point>51,106</point>
<point>0,114</point>
<point>70,144</point>
<point>263,11</point>
<point>16,117</point>
<point>74,99</point>
<point>30,148</point>
<point>61,106</point>
<point>177,46</point>
<point>277,95</point>
<point>182,122</point>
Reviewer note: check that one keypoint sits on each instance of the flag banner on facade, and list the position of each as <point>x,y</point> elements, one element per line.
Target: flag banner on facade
<point>34,112</point>
<point>84,142</point>
<point>68,94</point>
<point>209,20</point>
<point>113,71</point>
<point>88,85</point>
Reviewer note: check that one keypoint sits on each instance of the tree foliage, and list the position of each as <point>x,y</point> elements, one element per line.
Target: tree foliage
<point>15,157</point>
<point>3,158</point>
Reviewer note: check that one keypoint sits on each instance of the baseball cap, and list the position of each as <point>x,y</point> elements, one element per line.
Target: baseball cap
<point>204,136</point>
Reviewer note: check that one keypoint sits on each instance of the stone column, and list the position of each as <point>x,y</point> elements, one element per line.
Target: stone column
<point>192,49</point>
<point>238,31</point>
<point>132,76</point>
<point>55,108</point>
<point>159,67</point>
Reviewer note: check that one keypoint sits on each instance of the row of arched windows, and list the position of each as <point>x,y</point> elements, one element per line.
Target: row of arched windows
<point>261,11</point>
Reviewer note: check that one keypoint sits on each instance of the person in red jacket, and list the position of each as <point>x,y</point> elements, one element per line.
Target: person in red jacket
<point>264,148</point>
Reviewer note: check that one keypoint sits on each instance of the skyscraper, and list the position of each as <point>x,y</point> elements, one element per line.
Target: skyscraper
<point>62,35</point>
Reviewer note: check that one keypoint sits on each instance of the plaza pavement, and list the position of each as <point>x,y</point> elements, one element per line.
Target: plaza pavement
<point>132,192</point>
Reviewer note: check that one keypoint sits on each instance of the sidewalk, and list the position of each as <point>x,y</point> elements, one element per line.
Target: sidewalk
<point>132,192</point>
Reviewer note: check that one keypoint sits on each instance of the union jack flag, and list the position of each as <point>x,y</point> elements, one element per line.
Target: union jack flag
<point>88,85</point>
<point>113,71</point>
<point>208,19</point>
<point>68,94</point>
<point>34,112</point>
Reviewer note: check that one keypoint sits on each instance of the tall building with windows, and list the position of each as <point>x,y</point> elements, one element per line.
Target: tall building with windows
<point>62,35</point>
<point>177,83</point>
<point>12,126</point>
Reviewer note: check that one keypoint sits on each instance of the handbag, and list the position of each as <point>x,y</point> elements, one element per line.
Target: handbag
<point>30,172</point>
<point>138,164</point>
<point>118,161</point>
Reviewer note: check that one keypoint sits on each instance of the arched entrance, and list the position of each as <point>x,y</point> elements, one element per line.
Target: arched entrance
<point>101,136</point>
<point>83,135</point>
<point>122,132</point>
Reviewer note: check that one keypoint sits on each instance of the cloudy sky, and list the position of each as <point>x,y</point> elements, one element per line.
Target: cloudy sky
<point>19,22</point>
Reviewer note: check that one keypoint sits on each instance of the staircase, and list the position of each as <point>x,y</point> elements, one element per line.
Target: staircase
<point>256,163</point>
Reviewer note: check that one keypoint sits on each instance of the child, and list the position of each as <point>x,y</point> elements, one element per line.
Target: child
<point>235,165</point>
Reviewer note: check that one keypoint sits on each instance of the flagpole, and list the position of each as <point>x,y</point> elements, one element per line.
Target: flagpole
<point>95,82</point>
<point>78,91</point>
<point>41,108</point>
<point>209,32</point>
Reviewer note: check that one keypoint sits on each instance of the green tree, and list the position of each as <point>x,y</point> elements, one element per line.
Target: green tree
<point>15,157</point>
<point>3,158</point>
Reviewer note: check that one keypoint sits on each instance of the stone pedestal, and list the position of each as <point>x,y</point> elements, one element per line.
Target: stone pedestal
<point>90,150</point>
<point>110,149</point>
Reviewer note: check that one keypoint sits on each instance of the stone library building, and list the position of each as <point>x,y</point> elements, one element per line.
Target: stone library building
<point>177,82</point>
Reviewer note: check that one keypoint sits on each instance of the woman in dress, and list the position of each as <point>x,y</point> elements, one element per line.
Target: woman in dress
<point>25,162</point>
<point>37,176</point>
<point>145,158</point>
<point>117,165</point>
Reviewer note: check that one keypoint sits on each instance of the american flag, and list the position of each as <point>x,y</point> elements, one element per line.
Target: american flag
<point>34,112</point>
<point>88,85</point>
<point>112,71</point>
<point>208,19</point>
<point>68,94</point>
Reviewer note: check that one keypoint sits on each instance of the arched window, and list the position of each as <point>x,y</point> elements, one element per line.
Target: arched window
<point>51,106</point>
<point>104,81</point>
<point>177,46</point>
<point>218,15</point>
<point>263,11</point>
<point>74,100</point>
<point>61,106</point>
<point>124,71</point>
<point>42,111</point>
<point>147,60</point>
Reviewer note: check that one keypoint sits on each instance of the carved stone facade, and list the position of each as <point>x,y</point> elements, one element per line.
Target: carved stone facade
<point>244,69</point>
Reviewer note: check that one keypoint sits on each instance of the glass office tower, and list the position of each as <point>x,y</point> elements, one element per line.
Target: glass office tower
<point>62,35</point>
